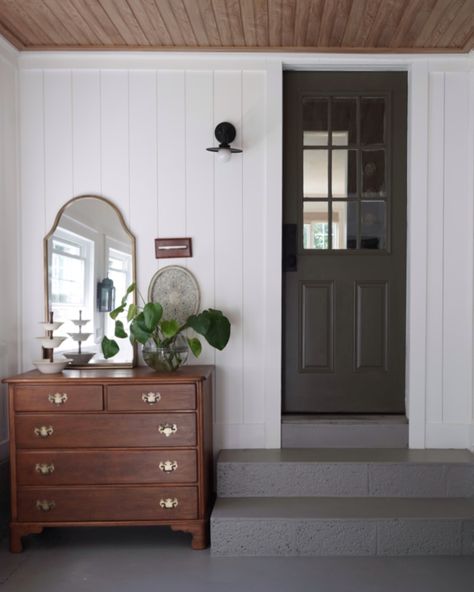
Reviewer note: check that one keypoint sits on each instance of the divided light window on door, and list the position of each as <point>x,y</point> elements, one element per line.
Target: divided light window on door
<point>345,175</point>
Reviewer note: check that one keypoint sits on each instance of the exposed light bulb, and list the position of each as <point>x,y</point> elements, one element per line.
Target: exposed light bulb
<point>224,154</point>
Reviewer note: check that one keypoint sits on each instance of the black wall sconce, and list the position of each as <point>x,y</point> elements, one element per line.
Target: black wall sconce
<point>225,135</point>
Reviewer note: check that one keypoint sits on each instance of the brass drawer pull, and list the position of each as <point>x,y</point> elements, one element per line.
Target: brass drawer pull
<point>168,466</point>
<point>169,503</point>
<point>44,469</point>
<point>45,505</point>
<point>151,398</point>
<point>44,431</point>
<point>57,398</point>
<point>168,429</point>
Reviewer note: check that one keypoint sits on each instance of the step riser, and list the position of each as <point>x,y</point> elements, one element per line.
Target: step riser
<point>344,479</point>
<point>341,537</point>
<point>300,435</point>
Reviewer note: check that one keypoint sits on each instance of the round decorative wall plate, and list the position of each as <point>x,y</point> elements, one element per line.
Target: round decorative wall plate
<point>177,290</point>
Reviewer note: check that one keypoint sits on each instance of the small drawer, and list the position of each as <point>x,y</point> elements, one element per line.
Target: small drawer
<point>106,467</point>
<point>87,504</point>
<point>101,430</point>
<point>151,397</point>
<point>58,397</point>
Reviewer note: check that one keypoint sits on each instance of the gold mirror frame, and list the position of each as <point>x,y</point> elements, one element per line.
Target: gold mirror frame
<point>121,219</point>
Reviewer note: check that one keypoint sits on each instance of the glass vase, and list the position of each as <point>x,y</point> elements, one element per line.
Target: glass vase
<point>166,359</point>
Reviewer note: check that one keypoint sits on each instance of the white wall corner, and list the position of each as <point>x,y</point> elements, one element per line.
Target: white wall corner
<point>8,51</point>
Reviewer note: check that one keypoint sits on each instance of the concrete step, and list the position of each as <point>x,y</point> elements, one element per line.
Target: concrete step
<point>342,527</point>
<point>339,431</point>
<point>345,472</point>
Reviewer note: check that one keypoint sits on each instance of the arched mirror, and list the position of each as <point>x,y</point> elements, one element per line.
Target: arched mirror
<point>89,263</point>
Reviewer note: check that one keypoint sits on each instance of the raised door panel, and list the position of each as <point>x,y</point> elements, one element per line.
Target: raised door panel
<point>317,326</point>
<point>371,325</point>
<point>102,430</point>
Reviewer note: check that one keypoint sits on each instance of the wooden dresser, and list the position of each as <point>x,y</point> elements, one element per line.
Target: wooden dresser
<point>111,447</point>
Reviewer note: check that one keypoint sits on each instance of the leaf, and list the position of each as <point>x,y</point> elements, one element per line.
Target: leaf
<point>109,347</point>
<point>195,346</point>
<point>132,312</point>
<point>119,310</point>
<point>139,330</point>
<point>213,326</point>
<point>130,289</point>
<point>120,330</point>
<point>152,314</point>
<point>169,328</point>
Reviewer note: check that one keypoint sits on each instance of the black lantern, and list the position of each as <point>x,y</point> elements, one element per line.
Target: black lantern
<point>105,295</point>
<point>225,135</point>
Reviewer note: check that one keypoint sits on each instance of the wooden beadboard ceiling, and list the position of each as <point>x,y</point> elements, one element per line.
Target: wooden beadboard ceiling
<point>295,25</point>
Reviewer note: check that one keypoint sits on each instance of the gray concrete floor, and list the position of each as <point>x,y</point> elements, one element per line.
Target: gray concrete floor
<point>155,559</point>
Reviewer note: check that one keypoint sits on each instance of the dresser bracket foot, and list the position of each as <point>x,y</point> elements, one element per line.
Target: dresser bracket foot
<point>17,531</point>
<point>199,533</point>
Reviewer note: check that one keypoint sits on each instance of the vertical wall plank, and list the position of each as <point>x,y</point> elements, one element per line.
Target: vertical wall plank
<point>434,309</point>
<point>57,141</point>
<point>228,253</point>
<point>253,134</point>
<point>200,188</point>
<point>86,132</point>
<point>457,333</point>
<point>418,85</point>
<point>143,172</point>
<point>33,223</point>
<point>115,138</point>
<point>9,243</point>
<point>171,156</point>
<point>272,253</point>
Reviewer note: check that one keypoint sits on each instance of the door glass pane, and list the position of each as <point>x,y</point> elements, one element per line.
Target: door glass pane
<point>344,121</point>
<point>344,173</point>
<point>315,173</point>
<point>372,225</point>
<point>372,120</point>
<point>344,225</point>
<point>315,225</point>
<point>373,173</point>
<point>315,122</point>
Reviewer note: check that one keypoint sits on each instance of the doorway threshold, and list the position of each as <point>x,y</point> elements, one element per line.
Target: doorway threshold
<point>344,431</point>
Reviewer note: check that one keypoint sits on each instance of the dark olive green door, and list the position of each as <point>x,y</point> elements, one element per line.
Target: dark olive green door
<point>344,264</point>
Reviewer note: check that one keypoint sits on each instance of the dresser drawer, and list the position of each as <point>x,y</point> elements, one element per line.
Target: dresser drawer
<point>104,467</point>
<point>151,397</point>
<point>58,397</point>
<point>103,430</point>
<point>56,504</point>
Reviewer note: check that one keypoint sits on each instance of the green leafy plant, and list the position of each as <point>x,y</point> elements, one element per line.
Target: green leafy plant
<point>147,323</point>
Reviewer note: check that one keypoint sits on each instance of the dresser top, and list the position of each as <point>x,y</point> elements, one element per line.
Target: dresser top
<point>100,375</point>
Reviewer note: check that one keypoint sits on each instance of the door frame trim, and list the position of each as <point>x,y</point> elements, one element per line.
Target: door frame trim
<point>417,231</point>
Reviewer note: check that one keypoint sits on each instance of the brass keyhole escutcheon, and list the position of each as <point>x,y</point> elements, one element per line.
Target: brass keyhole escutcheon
<point>44,469</point>
<point>58,398</point>
<point>44,431</point>
<point>45,505</point>
<point>169,503</point>
<point>151,398</point>
<point>168,466</point>
<point>168,429</point>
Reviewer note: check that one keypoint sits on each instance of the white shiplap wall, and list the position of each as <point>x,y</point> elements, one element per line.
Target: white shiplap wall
<point>138,136</point>
<point>8,230</point>
<point>134,127</point>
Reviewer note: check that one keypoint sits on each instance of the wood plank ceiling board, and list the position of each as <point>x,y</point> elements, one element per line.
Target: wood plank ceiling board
<point>240,25</point>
